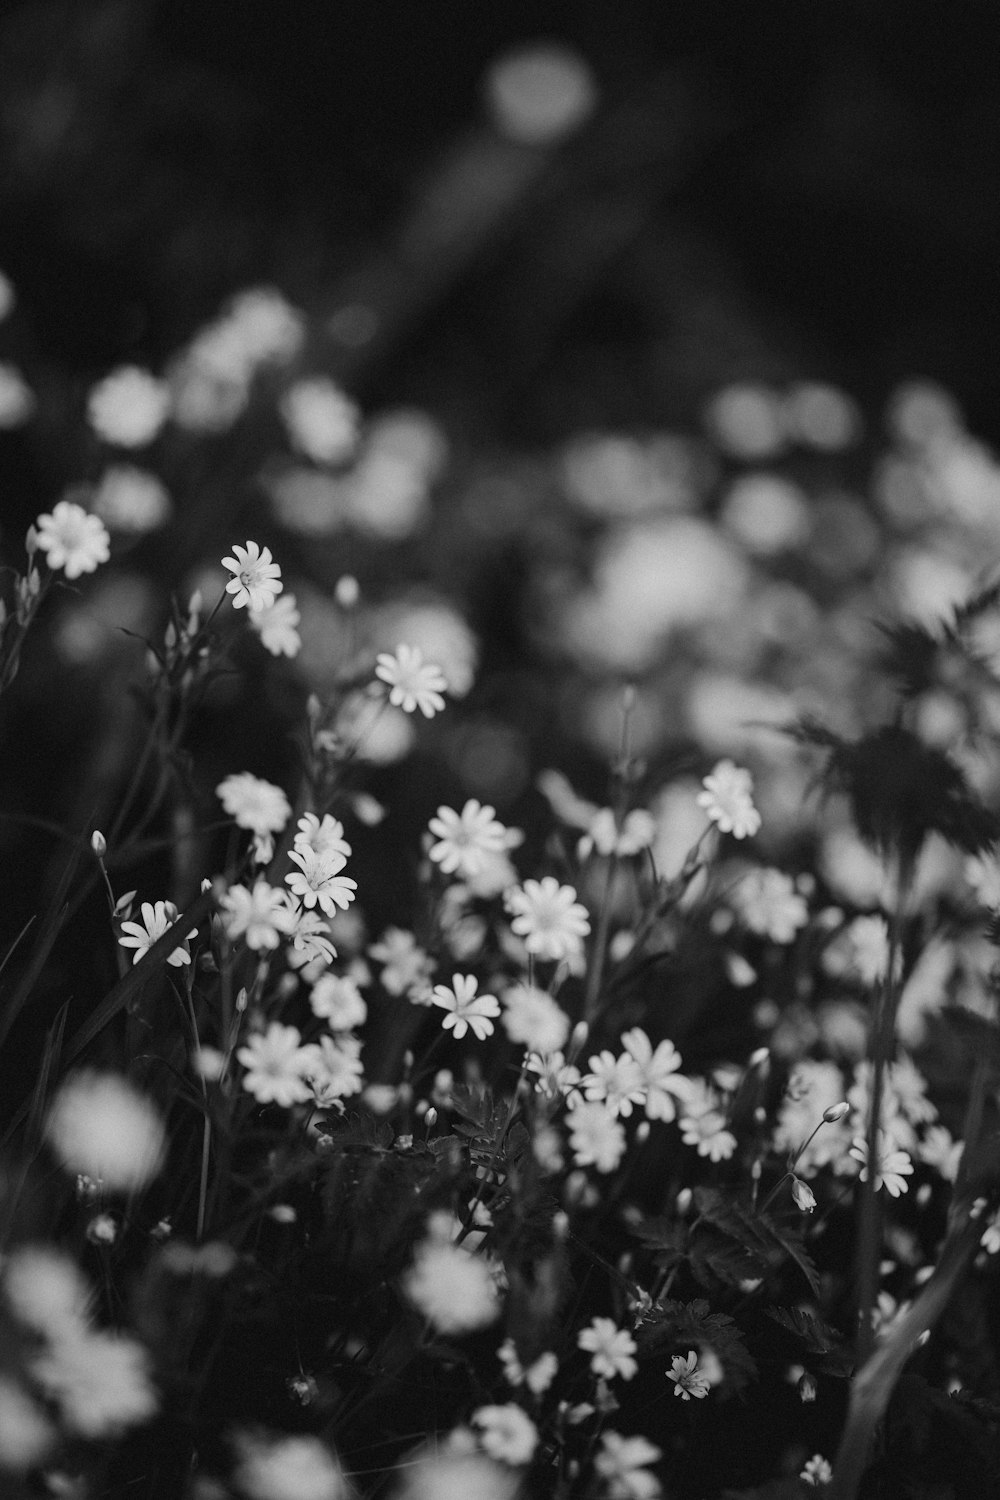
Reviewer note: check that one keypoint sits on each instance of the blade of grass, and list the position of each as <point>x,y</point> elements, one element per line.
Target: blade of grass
<point>50,929</point>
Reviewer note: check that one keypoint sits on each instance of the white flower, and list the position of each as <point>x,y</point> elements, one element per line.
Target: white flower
<point>292,1467</point>
<point>621,1463</point>
<point>99,1124</point>
<point>537,1376</point>
<point>310,940</point>
<point>46,1290</point>
<point>596,1136</point>
<point>17,399</point>
<point>100,1381</point>
<point>157,919</point>
<point>813,1088</point>
<point>506,1433</point>
<point>261,916</point>
<point>274,1061</point>
<point>413,683</point>
<point>72,539</point>
<point>336,999</point>
<point>257,582</point>
<point>549,918</point>
<point>805,1198</point>
<point>658,1073</point>
<point>321,420</point>
<point>128,407</point>
<point>407,968</point>
<point>254,803</point>
<point>615,1082</point>
<point>817,1471</point>
<point>466,1010</point>
<point>318,881</point>
<point>465,839</point>
<point>456,1291</point>
<point>277,624</point>
<point>533,1018</point>
<point>333,1068</point>
<point>688,1379</point>
<point>131,500</point>
<point>768,903</point>
<point>322,837</point>
<point>940,1151</point>
<point>26,1435</point>
<point>555,1076</point>
<point>893,1166</point>
<point>611,1349</point>
<point>727,798</point>
<point>703,1125</point>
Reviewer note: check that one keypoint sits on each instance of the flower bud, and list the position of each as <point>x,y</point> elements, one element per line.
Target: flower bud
<point>805,1198</point>
<point>431,1117</point>
<point>98,843</point>
<point>836,1112</point>
<point>347,591</point>
<point>580,1033</point>
<point>760,1059</point>
<point>807,1387</point>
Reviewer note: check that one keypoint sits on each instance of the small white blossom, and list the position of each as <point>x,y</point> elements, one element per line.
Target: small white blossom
<point>157,919</point>
<point>549,918</point>
<point>407,968</point>
<point>611,1349</point>
<point>688,1379</point>
<point>596,1135</point>
<point>463,840</point>
<point>254,803</point>
<point>467,1011</point>
<point>622,1462</point>
<point>131,500</point>
<point>322,422</point>
<point>533,1018</point>
<point>336,999</point>
<point>615,1082</point>
<point>291,1467</point>
<point>893,1166</point>
<point>100,1381</point>
<point>767,902</point>
<point>333,1067</point>
<point>257,581</point>
<point>275,1061</point>
<point>727,798</point>
<point>318,881</point>
<point>322,836</point>
<point>128,407</point>
<point>506,1433</point>
<point>413,683</point>
<point>662,1083</point>
<point>537,1376</point>
<point>456,1291</point>
<point>817,1471</point>
<point>100,1124</point>
<point>261,916</point>
<point>277,624</point>
<point>73,541</point>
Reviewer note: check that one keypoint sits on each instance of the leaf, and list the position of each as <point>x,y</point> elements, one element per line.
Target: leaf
<point>828,1350</point>
<point>690,1325</point>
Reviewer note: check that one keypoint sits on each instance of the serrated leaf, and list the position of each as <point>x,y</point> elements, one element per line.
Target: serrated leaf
<point>829,1351</point>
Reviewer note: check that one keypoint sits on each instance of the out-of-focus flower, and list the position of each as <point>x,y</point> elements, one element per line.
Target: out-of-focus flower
<point>277,625</point>
<point>506,1433</point>
<point>615,1082</point>
<point>768,903</point>
<point>128,407</point>
<point>703,1124</point>
<point>747,420</point>
<point>323,836</point>
<point>766,513</point>
<point>662,1083</point>
<point>537,1376</point>
<point>310,937</point>
<point>72,540</point>
<point>449,1472</point>
<point>406,967</point>
<point>100,1124</point>
<point>455,1290</point>
<point>467,1011</point>
<point>596,1135</point>
<point>817,1472</point>
<point>549,918</point>
<point>336,999</point>
<point>893,1166</point>
<point>257,581</point>
<point>100,1381</point>
<point>621,1463</point>
<point>727,798</point>
<point>821,416</point>
<point>260,916</point>
<point>413,683</point>
<point>275,1061</point>
<point>157,919</point>
<point>555,1076</point>
<point>533,1018</point>
<point>26,1434</point>
<point>322,422</point>
<point>253,803</point>
<point>611,1349</point>
<point>539,92</point>
<point>17,399</point>
<point>465,839</point>
<point>45,1290</point>
<point>439,631</point>
<point>288,1467</point>
<point>333,1067</point>
<point>131,500</point>
<point>688,1379</point>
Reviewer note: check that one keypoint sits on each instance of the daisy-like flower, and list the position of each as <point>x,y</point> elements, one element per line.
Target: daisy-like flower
<point>254,803</point>
<point>622,1462</point>
<point>291,1467</point>
<point>688,1379</point>
<point>73,540</point>
<point>100,1381</point>
<point>277,624</point>
<point>892,1165</point>
<point>310,940</point>
<point>939,1151</point>
<point>261,917</point>
<point>767,902</point>
<point>257,582</point>
<point>275,1061</point>
<point>322,836</point>
<point>727,798</point>
<point>320,419</point>
<point>157,918</point>
<point>336,999</point>
<point>703,1125</point>
<point>465,839</point>
<point>333,1068</point>
<point>453,1289</point>
<point>506,1433</point>
<point>46,1290</point>
<point>537,1376</point>
<point>611,1349</point>
<point>467,1011</point>
<point>128,407</point>
<point>596,1135</point>
<point>658,1073</point>
<point>533,1018</point>
<point>131,500</point>
<point>549,918</point>
<point>555,1076</point>
<point>615,1082</point>
<point>407,968</point>
<point>413,683</point>
<point>100,1125</point>
<point>817,1471</point>
<point>318,881</point>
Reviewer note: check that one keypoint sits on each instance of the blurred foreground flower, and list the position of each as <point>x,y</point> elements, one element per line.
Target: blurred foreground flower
<point>99,1124</point>
<point>72,540</point>
<point>454,1290</point>
<point>288,1467</point>
<point>727,798</point>
<point>413,683</point>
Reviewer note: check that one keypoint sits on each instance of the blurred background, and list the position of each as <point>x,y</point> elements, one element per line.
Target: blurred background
<point>600,343</point>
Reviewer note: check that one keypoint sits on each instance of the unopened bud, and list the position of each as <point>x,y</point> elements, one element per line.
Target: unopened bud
<point>241,1000</point>
<point>431,1117</point>
<point>760,1059</point>
<point>642,1133</point>
<point>347,591</point>
<point>805,1198</point>
<point>807,1388</point>
<point>31,541</point>
<point>98,843</point>
<point>836,1112</point>
<point>580,1033</point>
<point>683,1202</point>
